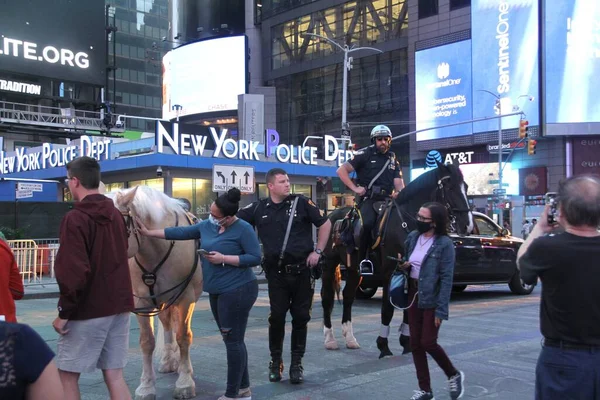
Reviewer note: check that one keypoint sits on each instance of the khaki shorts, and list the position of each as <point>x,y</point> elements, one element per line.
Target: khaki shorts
<point>94,343</point>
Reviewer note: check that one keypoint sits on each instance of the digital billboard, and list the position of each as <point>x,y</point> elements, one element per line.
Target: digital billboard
<point>572,55</point>
<point>443,90</point>
<point>59,39</point>
<point>204,76</point>
<point>505,45</point>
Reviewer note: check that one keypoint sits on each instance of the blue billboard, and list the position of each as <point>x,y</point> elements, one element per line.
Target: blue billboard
<point>443,90</point>
<point>505,42</point>
<point>572,54</point>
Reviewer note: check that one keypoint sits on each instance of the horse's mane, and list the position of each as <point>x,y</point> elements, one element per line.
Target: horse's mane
<point>425,180</point>
<point>428,179</point>
<point>153,204</point>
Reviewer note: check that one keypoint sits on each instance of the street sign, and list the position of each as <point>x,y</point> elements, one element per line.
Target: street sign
<point>500,191</point>
<point>32,187</point>
<point>225,177</point>
<point>495,182</point>
<point>24,194</point>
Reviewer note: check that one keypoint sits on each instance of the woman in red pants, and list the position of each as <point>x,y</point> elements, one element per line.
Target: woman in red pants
<point>430,255</point>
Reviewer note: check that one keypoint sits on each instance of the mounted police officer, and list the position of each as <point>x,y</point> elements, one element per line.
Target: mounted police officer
<point>378,177</point>
<point>289,255</point>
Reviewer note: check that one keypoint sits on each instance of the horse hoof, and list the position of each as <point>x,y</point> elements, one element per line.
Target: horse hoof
<point>151,396</point>
<point>405,343</point>
<point>185,393</point>
<point>384,349</point>
<point>351,341</point>
<point>330,342</point>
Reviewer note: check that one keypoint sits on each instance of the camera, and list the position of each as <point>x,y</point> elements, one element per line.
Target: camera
<point>553,202</point>
<point>159,172</point>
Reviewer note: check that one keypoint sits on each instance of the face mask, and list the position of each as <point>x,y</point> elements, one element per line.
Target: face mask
<point>423,226</point>
<point>216,222</point>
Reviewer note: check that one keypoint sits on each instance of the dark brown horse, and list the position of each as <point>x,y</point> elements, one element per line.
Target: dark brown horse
<point>444,184</point>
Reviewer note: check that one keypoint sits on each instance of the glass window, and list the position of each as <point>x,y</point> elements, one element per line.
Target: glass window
<point>204,197</point>
<point>183,189</point>
<point>485,227</point>
<point>156,183</point>
<point>428,8</point>
<point>454,4</point>
<point>113,187</point>
<point>305,190</point>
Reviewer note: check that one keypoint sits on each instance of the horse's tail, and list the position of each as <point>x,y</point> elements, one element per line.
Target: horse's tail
<point>337,282</point>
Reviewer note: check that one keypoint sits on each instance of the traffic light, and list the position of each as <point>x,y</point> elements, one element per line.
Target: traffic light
<point>523,128</point>
<point>531,146</point>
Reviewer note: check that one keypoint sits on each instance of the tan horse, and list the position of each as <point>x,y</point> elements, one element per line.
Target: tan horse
<point>168,265</point>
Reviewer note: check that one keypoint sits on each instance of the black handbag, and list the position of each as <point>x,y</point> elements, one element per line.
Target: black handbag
<point>398,291</point>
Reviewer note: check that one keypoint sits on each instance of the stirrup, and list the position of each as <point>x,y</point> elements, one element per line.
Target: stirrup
<point>366,267</point>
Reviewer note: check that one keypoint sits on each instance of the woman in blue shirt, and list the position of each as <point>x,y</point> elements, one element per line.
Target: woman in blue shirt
<point>231,250</point>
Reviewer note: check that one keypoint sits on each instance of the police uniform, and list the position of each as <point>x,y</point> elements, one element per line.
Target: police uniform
<point>290,285</point>
<point>367,165</point>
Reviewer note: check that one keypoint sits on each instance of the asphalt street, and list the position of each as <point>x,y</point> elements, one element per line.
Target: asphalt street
<point>492,335</point>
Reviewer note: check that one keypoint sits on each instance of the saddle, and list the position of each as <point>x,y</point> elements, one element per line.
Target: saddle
<point>348,231</point>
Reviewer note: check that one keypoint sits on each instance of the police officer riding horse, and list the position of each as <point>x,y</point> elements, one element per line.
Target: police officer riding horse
<point>378,177</point>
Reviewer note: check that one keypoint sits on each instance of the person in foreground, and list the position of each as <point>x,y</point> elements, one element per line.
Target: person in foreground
<point>567,264</point>
<point>92,272</point>
<point>11,283</point>
<point>27,369</point>
<point>229,250</point>
<point>430,258</point>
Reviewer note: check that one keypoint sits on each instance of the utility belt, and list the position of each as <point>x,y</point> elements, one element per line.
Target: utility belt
<point>291,269</point>
<point>378,193</point>
<point>562,344</point>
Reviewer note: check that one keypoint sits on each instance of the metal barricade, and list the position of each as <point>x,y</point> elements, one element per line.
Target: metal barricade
<point>35,259</point>
<point>26,256</point>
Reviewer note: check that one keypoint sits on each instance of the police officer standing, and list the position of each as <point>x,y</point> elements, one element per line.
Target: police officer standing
<point>291,286</point>
<point>378,174</point>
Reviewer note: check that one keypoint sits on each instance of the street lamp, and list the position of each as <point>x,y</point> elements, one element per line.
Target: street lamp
<point>347,67</point>
<point>177,108</point>
<point>499,110</point>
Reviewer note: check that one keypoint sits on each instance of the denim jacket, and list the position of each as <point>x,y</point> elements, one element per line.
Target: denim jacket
<point>437,271</point>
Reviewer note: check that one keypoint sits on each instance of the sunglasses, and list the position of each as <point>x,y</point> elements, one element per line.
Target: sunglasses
<point>382,139</point>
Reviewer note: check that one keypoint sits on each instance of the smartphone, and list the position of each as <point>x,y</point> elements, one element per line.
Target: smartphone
<point>550,198</point>
<point>203,252</point>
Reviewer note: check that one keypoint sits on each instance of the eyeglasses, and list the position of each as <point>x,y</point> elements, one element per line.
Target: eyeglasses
<point>382,139</point>
<point>422,218</point>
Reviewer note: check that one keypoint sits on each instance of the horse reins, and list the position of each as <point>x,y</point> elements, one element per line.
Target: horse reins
<point>149,277</point>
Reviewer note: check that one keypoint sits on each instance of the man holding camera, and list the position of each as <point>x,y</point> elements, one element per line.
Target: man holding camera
<point>566,263</point>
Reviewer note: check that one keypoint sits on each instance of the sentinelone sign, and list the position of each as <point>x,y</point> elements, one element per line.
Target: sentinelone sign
<point>169,137</point>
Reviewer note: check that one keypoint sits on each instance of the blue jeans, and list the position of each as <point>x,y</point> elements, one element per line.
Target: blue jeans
<point>567,374</point>
<point>231,310</point>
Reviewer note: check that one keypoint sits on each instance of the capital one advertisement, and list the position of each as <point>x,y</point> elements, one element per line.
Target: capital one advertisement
<point>59,39</point>
<point>443,90</point>
<point>505,42</point>
<point>572,55</point>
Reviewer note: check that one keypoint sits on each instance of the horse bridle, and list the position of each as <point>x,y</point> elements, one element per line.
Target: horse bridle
<point>441,196</point>
<point>149,277</point>
<point>130,224</point>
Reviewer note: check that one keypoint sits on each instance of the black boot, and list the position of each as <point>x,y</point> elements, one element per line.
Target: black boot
<point>405,343</point>
<point>384,349</point>
<point>296,371</point>
<point>298,349</point>
<point>275,370</point>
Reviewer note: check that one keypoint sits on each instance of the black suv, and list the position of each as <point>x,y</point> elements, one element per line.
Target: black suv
<point>486,256</point>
